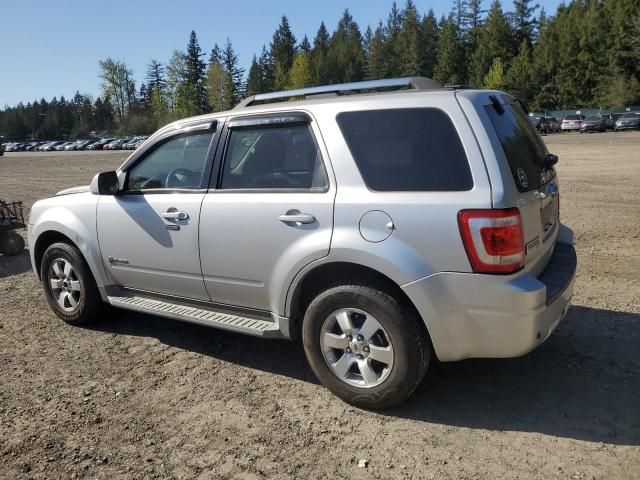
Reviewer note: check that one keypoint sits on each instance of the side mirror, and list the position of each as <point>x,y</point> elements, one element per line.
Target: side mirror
<point>550,160</point>
<point>105,183</point>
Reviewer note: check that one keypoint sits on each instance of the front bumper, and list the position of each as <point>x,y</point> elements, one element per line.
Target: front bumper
<point>628,127</point>
<point>491,316</point>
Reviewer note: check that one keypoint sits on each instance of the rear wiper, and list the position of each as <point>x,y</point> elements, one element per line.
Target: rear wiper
<point>496,104</point>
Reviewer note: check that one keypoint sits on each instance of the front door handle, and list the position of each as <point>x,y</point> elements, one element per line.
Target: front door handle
<point>174,214</point>
<point>291,217</point>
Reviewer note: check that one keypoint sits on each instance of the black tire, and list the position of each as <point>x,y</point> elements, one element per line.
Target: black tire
<point>11,243</point>
<point>409,340</point>
<point>90,306</point>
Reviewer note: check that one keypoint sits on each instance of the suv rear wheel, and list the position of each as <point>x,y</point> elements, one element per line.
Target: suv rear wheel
<point>365,346</point>
<point>69,285</point>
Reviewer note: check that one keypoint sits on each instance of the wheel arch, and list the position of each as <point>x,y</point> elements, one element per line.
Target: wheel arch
<point>321,276</point>
<point>44,241</point>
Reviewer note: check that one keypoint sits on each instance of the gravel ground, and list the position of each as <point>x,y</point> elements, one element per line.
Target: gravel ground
<point>142,397</point>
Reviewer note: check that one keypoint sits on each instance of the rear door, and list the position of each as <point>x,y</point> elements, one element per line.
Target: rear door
<point>268,213</point>
<point>520,179</point>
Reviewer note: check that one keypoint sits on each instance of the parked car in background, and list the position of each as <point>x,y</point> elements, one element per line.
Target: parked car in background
<point>628,121</point>
<point>539,123</point>
<point>34,146</point>
<point>116,144</point>
<point>572,122</point>
<point>278,239</point>
<point>83,145</point>
<point>100,144</point>
<point>17,147</point>
<point>2,146</point>
<point>71,146</point>
<point>61,146</point>
<point>554,124</point>
<point>595,123</point>
<point>609,120</point>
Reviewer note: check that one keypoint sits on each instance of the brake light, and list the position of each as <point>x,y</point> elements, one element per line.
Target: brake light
<point>493,239</point>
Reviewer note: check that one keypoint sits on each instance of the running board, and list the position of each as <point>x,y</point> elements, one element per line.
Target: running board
<point>202,315</point>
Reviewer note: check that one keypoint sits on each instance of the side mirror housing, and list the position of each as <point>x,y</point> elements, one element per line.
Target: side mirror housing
<point>105,183</point>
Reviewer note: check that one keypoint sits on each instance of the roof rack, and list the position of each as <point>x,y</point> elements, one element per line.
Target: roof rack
<point>417,83</point>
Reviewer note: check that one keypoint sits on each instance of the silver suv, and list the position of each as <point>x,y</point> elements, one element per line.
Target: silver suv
<point>383,224</point>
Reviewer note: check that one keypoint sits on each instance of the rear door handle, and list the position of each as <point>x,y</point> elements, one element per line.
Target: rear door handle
<point>297,218</point>
<point>173,214</point>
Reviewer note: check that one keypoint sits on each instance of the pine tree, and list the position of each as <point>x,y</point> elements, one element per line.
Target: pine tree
<point>496,40</point>
<point>345,55</point>
<point>254,78</point>
<point>449,68</point>
<point>266,68</point>
<point>155,76</point>
<point>195,88</point>
<point>319,51</point>
<point>524,20</point>
<point>410,42</point>
<point>305,46</point>
<point>283,49</point>
<point>216,54</point>
<point>430,38</point>
<point>231,66</point>
<point>377,62</point>
<point>391,44</point>
<point>472,22</point>
<point>519,78</point>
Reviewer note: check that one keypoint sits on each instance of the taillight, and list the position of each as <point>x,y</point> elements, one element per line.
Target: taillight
<point>493,239</point>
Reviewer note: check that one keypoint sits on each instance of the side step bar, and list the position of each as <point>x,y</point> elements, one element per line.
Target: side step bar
<point>203,315</point>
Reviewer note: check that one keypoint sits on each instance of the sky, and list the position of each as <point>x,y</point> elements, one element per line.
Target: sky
<point>52,47</point>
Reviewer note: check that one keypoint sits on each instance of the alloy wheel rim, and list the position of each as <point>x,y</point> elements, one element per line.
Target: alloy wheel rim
<point>356,348</point>
<point>65,285</point>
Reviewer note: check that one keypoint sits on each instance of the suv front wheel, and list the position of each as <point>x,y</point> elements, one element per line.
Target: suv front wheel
<point>365,346</point>
<point>69,285</point>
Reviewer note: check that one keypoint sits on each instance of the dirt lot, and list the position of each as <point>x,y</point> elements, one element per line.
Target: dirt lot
<point>142,397</point>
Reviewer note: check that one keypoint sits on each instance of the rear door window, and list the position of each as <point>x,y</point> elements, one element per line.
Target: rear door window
<point>523,147</point>
<point>409,149</point>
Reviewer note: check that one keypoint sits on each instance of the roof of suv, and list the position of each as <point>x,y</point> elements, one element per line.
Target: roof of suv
<point>338,93</point>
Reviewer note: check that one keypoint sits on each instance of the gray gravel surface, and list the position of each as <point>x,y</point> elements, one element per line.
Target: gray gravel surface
<point>142,397</point>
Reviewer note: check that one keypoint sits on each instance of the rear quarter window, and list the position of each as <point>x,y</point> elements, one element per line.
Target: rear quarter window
<point>523,147</point>
<point>409,149</point>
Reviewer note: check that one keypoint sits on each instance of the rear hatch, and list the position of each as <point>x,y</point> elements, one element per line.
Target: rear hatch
<point>527,183</point>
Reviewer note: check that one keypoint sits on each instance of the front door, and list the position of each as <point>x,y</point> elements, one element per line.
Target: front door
<point>148,233</point>
<point>270,214</point>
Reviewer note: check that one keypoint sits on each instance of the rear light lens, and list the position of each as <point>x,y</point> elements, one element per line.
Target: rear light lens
<point>493,239</point>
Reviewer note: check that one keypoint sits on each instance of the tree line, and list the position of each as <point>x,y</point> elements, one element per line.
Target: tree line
<point>586,54</point>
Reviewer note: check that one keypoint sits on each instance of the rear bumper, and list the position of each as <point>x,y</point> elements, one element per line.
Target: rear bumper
<point>491,316</point>
<point>570,127</point>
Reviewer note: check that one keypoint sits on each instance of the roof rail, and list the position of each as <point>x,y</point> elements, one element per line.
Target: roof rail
<point>417,83</point>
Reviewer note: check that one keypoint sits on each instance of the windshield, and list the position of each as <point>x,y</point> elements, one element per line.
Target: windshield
<point>593,119</point>
<point>523,147</point>
<point>630,115</point>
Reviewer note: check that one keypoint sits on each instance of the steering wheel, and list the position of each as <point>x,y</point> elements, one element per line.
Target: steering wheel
<point>181,177</point>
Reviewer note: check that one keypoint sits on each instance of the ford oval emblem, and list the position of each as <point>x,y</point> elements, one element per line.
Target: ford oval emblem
<point>522,178</point>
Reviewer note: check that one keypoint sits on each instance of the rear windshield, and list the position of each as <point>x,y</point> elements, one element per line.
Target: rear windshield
<point>409,149</point>
<point>523,147</point>
<point>573,117</point>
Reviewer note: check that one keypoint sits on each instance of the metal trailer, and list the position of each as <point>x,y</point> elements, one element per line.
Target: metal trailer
<point>11,219</point>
